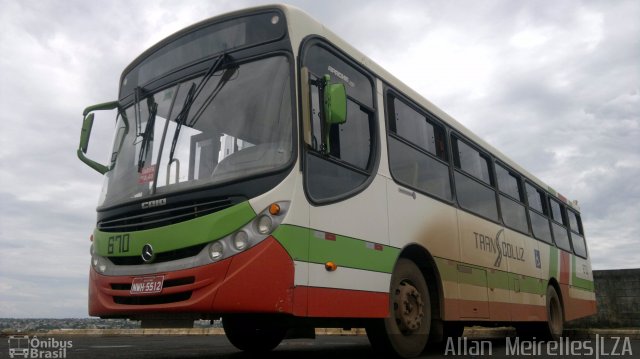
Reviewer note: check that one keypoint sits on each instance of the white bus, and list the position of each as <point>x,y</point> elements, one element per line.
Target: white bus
<point>266,172</point>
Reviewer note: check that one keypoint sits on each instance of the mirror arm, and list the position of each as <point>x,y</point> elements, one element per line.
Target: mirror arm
<point>85,134</point>
<point>101,106</point>
<point>102,169</point>
<point>321,83</point>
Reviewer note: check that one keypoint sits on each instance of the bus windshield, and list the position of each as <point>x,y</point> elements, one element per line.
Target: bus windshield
<point>239,125</point>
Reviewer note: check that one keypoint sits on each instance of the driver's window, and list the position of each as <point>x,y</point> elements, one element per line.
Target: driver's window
<point>342,165</point>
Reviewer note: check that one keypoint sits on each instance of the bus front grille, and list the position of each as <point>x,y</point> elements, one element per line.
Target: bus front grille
<point>152,299</point>
<point>148,219</point>
<point>160,257</point>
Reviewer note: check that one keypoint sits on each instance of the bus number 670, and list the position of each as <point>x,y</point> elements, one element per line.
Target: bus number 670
<point>119,242</point>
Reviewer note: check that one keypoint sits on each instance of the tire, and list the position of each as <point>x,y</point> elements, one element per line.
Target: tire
<point>253,334</point>
<point>551,329</point>
<point>453,330</point>
<point>405,332</point>
<point>555,316</point>
<point>441,331</point>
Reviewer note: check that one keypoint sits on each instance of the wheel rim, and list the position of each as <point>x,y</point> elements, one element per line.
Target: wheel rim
<point>408,307</point>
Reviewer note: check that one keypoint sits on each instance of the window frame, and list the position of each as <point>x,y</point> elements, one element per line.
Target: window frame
<point>305,150</point>
<point>545,209</point>
<point>433,120</point>
<point>520,201</point>
<point>563,224</point>
<point>454,169</point>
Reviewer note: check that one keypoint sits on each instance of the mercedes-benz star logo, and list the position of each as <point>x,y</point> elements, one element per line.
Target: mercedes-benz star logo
<point>147,253</point>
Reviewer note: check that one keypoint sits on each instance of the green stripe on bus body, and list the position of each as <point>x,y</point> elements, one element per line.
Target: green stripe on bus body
<point>319,247</point>
<point>579,282</point>
<point>175,236</point>
<point>352,253</point>
<point>553,262</point>
<point>295,240</point>
<point>465,273</point>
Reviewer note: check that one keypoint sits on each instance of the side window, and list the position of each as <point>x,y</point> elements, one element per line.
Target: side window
<point>558,224</point>
<point>514,213</point>
<point>471,161</point>
<point>537,213</point>
<point>577,236</point>
<point>508,182</point>
<point>574,222</point>
<point>473,183</point>
<point>556,212</point>
<point>536,199</point>
<point>416,128</point>
<point>347,162</point>
<point>417,156</point>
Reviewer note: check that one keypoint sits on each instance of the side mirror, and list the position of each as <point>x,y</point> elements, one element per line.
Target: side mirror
<point>335,104</point>
<point>87,124</point>
<point>85,134</point>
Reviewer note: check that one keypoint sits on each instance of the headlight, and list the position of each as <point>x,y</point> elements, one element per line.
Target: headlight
<point>252,233</point>
<point>264,224</point>
<point>99,264</point>
<point>241,240</point>
<point>216,250</point>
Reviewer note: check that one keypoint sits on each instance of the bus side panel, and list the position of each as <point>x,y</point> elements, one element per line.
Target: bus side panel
<point>433,225</point>
<point>581,296</point>
<point>526,286</point>
<point>482,274</point>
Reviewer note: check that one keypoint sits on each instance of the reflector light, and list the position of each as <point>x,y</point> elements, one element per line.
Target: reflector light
<point>330,266</point>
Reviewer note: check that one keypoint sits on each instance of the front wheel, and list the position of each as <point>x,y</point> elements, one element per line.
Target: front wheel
<point>253,334</point>
<point>405,331</point>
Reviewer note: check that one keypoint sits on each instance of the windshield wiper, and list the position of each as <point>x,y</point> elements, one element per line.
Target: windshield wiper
<point>193,93</point>
<point>147,135</point>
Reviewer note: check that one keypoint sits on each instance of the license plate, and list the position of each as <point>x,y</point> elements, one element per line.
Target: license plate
<point>146,285</point>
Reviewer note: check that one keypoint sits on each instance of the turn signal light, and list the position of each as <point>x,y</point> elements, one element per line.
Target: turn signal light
<point>274,209</point>
<point>330,266</point>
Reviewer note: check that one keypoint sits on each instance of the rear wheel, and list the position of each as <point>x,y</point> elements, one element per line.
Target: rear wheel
<point>551,329</point>
<point>406,331</point>
<point>555,318</point>
<point>253,333</point>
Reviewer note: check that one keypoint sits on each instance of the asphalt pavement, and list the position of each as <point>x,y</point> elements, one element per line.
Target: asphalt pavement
<point>325,346</point>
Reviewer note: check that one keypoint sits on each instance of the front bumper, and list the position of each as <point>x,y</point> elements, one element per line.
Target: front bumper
<point>260,280</point>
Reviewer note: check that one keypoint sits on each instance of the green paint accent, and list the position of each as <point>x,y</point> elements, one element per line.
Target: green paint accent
<point>553,262</point>
<point>472,275</point>
<point>295,240</point>
<point>498,279</point>
<point>352,253</point>
<point>579,282</point>
<point>180,235</point>
<point>465,273</point>
<point>447,268</point>
<point>526,284</point>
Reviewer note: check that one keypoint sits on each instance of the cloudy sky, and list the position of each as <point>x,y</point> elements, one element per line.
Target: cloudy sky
<point>554,85</point>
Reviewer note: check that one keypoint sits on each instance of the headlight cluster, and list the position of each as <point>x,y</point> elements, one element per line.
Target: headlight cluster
<point>99,263</point>
<point>251,234</point>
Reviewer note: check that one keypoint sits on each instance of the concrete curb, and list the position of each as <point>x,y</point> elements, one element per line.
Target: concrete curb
<point>470,332</point>
<point>180,331</point>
